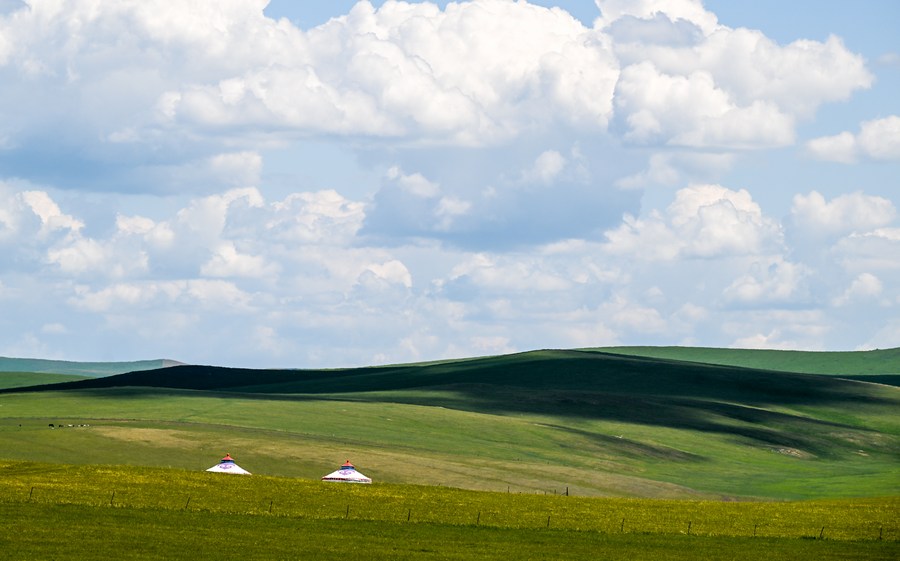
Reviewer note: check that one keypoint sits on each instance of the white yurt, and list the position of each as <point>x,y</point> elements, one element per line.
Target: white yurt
<point>227,465</point>
<point>347,474</point>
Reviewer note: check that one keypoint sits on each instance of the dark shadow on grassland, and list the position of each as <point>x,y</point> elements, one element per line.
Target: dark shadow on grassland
<point>763,426</point>
<point>573,384</point>
<point>632,448</point>
<point>570,371</point>
<point>846,364</point>
<point>886,379</point>
<point>745,424</point>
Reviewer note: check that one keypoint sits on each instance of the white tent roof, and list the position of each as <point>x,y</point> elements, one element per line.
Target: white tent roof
<point>347,474</point>
<point>227,465</point>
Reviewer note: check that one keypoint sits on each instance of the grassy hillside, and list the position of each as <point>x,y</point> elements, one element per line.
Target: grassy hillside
<point>853,364</point>
<point>24,379</point>
<point>598,423</point>
<point>577,371</point>
<point>92,369</point>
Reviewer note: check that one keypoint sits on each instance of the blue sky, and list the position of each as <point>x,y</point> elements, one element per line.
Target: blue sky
<point>340,183</point>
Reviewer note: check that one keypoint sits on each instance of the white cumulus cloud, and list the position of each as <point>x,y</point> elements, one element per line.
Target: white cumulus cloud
<point>703,221</point>
<point>422,180</point>
<point>776,282</point>
<point>52,218</point>
<point>546,167</point>
<point>392,271</point>
<point>747,90</point>
<point>226,261</point>
<point>692,110</point>
<point>219,77</point>
<point>688,10</point>
<point>471,74</point>
<point>672,168</point>
<point>878,139</point>
<point>866,285</point>
<point>812,215</point>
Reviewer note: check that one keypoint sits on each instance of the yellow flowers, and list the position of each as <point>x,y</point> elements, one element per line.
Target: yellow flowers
<point>168,489</point>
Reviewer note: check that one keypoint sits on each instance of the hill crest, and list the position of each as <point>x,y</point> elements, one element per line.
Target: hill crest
<point>90,369</point>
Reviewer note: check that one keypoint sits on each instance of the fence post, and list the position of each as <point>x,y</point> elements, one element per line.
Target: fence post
<point>622,527</point>
<point>822,532</point>
<point>408,514</point>
<point>112,497</point>
<point>30,493</point>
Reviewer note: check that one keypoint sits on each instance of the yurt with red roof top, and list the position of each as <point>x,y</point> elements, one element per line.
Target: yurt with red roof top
<point>347,474</point>
<point>227,465</point>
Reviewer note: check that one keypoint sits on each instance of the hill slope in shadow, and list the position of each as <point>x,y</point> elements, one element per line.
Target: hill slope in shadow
<point>753,404</point>
<point>636,419</point>
<point>879,365</point>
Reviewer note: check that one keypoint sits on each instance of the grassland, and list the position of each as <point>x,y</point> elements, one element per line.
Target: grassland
<point>596,423</point>
<point>40,532</point>
<point>23,379</point>
<point>569,444</point>
<point>90,369</point>
<point>882,365</point>
<point>47,511</point>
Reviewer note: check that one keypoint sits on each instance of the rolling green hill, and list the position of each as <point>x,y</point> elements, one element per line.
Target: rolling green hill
<point>537,370</point>
<point>92,369</point>
<point>25,379</point>
<point>882,365</point>
<point>596,422</point>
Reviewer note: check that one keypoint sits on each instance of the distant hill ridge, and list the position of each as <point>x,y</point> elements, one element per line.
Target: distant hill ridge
<point>620,369</point>
<point>834,363</point>
<point>585,384</point>
<point>612,421</point>
<point>566,370</point>
<point>90,369</point>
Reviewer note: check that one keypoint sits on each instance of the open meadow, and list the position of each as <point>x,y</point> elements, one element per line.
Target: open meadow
<point>595,423</point>
<point>131,513</point>
<point>598,450</point>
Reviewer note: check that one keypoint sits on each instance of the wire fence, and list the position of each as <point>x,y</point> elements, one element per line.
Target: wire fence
<point>866,521</point>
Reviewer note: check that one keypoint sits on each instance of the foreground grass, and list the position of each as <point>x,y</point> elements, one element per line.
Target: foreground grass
<point>228,496</point>
<point>39,532</point>
<point>113,512</point>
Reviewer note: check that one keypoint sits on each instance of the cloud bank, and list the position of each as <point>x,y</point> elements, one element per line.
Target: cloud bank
<point>537,183</point>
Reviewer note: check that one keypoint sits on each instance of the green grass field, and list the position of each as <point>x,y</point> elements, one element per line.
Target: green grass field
<point>40,532</point>
<point>97,512</point>
<point>542,455</point>
<point>23,379</point>
<point>883,363</point>
<point>599,424</point>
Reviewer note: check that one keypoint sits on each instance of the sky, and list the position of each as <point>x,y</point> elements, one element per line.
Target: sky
<point>331,184</point>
